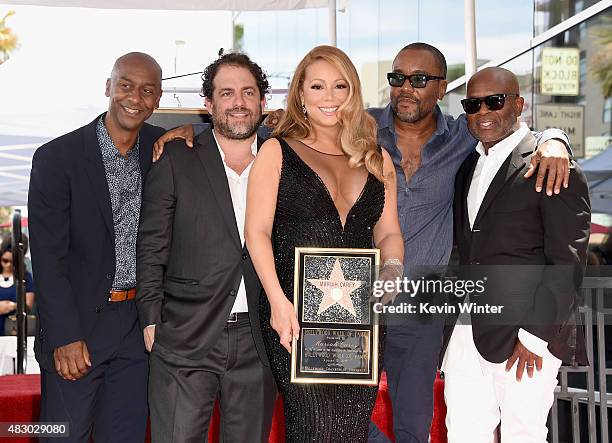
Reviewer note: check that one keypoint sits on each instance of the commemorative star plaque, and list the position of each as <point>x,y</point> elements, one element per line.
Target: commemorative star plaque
<point>338,340</point>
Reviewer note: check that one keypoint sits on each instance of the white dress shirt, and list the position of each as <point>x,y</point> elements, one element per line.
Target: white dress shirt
<point>461,348</point>
<point>238,191</point>
<point>487,167</point>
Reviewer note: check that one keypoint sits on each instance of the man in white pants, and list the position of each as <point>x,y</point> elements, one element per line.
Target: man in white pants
<point>530,253</point>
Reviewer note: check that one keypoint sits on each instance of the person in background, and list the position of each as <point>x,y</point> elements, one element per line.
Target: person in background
<point>8,288</point>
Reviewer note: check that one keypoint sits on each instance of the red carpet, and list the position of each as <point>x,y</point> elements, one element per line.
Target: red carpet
<point>19,401</point>
<point>20,397</point>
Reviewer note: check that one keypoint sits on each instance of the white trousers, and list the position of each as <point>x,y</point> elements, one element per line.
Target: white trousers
<point>478,399</point>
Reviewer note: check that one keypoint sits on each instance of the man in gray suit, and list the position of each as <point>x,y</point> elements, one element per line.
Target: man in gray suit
<point>198,292</point>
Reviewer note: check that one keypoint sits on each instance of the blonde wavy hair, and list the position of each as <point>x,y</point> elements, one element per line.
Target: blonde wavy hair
<point>357,137</point>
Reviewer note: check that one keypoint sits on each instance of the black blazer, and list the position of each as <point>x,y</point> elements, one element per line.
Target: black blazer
<point>190,258</point>
<point>72,237</point>
<point>525,230</point>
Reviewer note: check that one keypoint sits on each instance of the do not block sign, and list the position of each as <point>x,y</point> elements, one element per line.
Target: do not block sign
<point>560,71</point>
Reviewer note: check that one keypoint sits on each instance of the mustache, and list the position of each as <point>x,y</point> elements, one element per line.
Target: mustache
<point>238,109</point>
<point>408,96</point>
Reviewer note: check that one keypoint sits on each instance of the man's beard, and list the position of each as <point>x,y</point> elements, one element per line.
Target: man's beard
<point>408,117</point>
<point>234,131</point>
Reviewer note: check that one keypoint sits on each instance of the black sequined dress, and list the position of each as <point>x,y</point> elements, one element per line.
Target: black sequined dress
<point>306,216</point>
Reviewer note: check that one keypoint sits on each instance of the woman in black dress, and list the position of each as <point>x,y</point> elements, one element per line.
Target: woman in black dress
<point>322,182</point>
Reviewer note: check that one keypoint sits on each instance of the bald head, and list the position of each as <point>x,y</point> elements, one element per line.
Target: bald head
<point>496,94</point>
<point>498,80</point>
<point>134,90</point>
<point>137,59</point>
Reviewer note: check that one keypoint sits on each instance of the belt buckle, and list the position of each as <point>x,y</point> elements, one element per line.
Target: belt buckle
<point>118,292</point>
<point>110,296</point>
<point>233,317</point>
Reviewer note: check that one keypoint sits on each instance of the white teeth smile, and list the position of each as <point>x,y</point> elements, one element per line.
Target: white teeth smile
<point>329,110</point>
<point>130,111</point>
<point>485,124</point>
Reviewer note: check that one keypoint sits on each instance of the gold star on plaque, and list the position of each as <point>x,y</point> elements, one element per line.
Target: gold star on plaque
<point>336,290</point>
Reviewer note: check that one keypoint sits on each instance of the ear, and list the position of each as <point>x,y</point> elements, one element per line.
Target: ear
<point>159,96</point>
<point>442,89</point>
<point>519,103</point>
<point>108,87</point>
<point>208,103</point>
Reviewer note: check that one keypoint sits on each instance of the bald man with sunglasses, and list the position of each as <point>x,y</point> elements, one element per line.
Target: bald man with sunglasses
<point>532,251</point>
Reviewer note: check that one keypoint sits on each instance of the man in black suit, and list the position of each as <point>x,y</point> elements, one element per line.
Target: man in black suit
<point>84,206</point>
<point>532,250</point>
<point>198,293</point>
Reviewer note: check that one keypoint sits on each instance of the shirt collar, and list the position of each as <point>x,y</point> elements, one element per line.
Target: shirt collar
<point>253,146</point>
<point>441,124</point>
<point>387,120</point>
<point>107,146</point>
<point>506,146</point>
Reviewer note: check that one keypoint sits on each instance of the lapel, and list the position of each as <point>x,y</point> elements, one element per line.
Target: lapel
<point>466,180</point>
<point>145,152</point>
<point>507,171</point>
<point>260,141</point>
<point>97,175</point>
<point>209,156</point>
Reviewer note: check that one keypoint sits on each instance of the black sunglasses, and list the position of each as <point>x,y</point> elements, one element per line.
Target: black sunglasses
<point>7,261</point>
<point>416,80</point>
<point>494,103</point>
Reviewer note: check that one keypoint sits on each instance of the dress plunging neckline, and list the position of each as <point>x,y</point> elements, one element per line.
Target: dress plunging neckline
<point>328,193</point>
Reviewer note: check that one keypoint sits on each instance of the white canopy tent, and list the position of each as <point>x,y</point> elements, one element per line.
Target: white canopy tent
<point>199,5</point>
<point>235,5</point>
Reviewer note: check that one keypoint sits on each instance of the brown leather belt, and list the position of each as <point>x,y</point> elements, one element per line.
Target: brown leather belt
<point>128,294</point>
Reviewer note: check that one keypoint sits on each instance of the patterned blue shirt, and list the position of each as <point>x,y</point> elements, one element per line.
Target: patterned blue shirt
<point>125,187</point>
<point>425,202</point>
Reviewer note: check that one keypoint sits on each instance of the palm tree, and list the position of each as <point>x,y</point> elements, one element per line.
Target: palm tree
<point>8,40</point>
<point>600,64</point>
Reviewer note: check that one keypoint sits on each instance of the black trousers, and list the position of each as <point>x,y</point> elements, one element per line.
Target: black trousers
<point>181,398</point>
<point>411,360</point>
<point>109,402</point>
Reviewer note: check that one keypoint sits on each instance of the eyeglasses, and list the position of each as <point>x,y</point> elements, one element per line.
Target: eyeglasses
<point>7,261</point>
<point>494,103</point>
<point>416,80</point>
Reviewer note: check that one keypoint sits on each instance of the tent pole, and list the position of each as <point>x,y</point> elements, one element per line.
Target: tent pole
<point>332,23</point>
<point>469,25</point>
